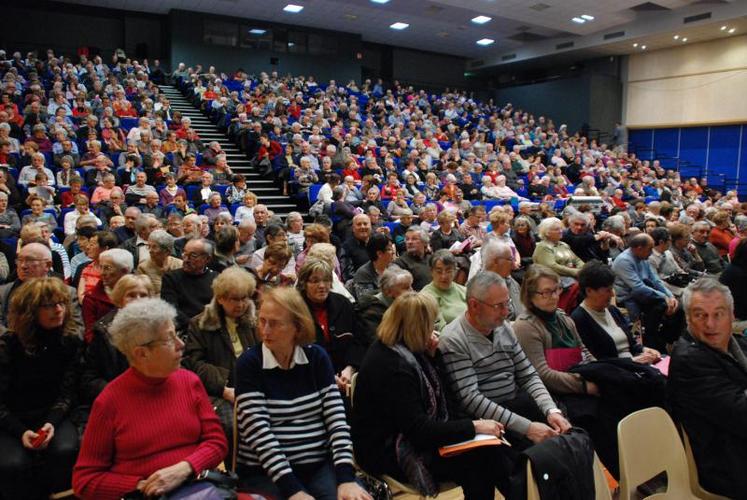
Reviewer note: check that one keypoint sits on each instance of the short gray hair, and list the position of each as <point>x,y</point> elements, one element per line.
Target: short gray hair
<point>741,222</point>
<point>139,322</point>
<point>614,223</point>
<point>163,239</point>
<point>706,285</point>
<point>548,224</point>
<point>422,232</point>
<point>491,249</point>
<point>477,287</point>
<point>143,222</point>
<point>392,277</point>
<point>120,258</point>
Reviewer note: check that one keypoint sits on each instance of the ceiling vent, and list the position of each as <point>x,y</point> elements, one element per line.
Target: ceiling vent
<point>539,7</point>
<point>612,36</point>
<point>696,18</point>
<point>527,37</point>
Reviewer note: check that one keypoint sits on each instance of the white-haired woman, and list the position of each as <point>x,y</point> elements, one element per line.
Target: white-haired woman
<point>556,254</point>
<point>153,427</point>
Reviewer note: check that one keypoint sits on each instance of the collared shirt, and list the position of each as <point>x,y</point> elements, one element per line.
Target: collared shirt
<point>142,249</point>
<point>269,362</point>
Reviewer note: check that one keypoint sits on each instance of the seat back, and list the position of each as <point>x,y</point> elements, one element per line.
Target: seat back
<point>649,444</point>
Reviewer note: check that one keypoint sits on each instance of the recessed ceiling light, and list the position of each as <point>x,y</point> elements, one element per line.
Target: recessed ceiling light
<point>293,8</point>
<point>732,30</point>
<point>723,28</point>
<point>684,39</point>
<point>257,31</point>
<point>485,42</point>
<point>676,37</point>
<point>481,19</point>
<point>399,26</point>
<point>291,44</point>
<point>643,47</point>
<point>587,17</point>
<point>635,44</point>
<point>380,1</point>
<point>578,20</point>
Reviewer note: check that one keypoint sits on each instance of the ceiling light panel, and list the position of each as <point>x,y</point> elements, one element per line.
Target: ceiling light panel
<point>293,8</point>
<point>399,26</point>
<point>485,42</point>
<point>481,19</point>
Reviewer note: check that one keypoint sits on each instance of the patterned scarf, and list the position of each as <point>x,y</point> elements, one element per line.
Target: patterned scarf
<point>414,463</point>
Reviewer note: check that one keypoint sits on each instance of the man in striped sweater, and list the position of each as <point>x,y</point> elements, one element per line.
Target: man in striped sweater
<point>489,374</point>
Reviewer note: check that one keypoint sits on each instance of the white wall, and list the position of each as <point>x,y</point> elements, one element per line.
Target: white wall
<point>698,84</point>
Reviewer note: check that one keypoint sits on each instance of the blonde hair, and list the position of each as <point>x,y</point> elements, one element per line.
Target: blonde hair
<point>234,279</point>
<point>292,301</point>
<point>410,320</point>
<point>323,251</point>
<point>127,283</point>
<point>498,217</point>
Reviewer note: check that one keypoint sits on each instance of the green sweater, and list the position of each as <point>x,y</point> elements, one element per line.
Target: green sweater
<point>451,303</point>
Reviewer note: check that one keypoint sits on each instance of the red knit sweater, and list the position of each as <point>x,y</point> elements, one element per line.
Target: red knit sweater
<point>139,425</point>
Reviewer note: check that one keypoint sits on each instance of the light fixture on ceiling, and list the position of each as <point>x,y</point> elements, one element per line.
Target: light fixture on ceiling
<point>484,42</point>
<point>257,31</point>
<point>481,19</point>
<point>587,17</point>
<point>291,44</point>
<point>380,1</point>
<point>684,40</point>
<point>578,20</point>
<point>676,37</point>
<point>732,30</point>
<point>635,44</point>
<point>723,28</point>
<point>399,26</point>
<point>293,8</point>
<point>643,47</point>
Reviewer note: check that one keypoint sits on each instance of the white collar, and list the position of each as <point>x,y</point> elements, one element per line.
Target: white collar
<point>269,361</point>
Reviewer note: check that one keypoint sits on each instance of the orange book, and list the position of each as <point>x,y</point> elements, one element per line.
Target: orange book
<point>478,441</point>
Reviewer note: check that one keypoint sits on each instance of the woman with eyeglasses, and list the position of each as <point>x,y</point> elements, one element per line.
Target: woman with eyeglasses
<point>334,318</point>
<point>295,441</point>
<point>219,335</point>
<point>450,296</point>
<point>38,382</point>
<point>102,362</point>
<point>553,346</point>
<point>152,428</point>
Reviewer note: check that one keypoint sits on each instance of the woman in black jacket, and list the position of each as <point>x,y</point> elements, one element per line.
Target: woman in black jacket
<point>334,318</point>
<point>38,382</point>
<point>603,329</point>
<point>102,362</point>
<point>400,416</point>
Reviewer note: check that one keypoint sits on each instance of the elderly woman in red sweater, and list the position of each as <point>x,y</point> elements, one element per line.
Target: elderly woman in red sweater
<point>153,427</point>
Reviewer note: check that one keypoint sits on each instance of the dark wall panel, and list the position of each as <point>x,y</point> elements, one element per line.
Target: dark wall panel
<point>428,69</point>
<point>723,154</point>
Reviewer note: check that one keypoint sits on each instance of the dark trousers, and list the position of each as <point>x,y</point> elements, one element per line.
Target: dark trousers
<point>658,328</point>
<point>319,481</point>
<point>29,474</point>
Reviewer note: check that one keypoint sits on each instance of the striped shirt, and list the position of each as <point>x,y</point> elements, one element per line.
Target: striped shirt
<point>291,417</point>
<point>483,374</point>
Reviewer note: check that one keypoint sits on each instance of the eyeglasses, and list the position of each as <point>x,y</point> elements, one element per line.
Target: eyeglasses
<point>194,255</point>
<point>495,307</point>
<point>548,293</point>
<point>53,305</point>
<point>28,260</point>
<point>171,341</point>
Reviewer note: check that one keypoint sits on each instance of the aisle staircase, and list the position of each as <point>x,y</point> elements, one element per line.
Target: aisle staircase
<point>265,188</point>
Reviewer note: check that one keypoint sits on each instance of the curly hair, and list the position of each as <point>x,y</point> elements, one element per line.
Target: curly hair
<point>25,305</point>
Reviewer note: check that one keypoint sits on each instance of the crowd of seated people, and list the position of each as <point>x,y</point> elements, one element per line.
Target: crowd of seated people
<point>440,205</point>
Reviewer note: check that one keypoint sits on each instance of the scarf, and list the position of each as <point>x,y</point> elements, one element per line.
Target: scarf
<point>414,463</point>
<point>561,335</point>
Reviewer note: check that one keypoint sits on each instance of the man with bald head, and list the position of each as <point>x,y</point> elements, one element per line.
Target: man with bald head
<point>354,253</point>
<point>34,260</point>
<point>640,290</point>
<point>127,231</point>
<point>498,258</point>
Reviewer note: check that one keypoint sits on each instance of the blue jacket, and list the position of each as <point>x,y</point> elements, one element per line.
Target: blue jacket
<point>636,280</point>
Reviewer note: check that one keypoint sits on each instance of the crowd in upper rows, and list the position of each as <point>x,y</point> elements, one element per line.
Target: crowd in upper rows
<point>410,192</point>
